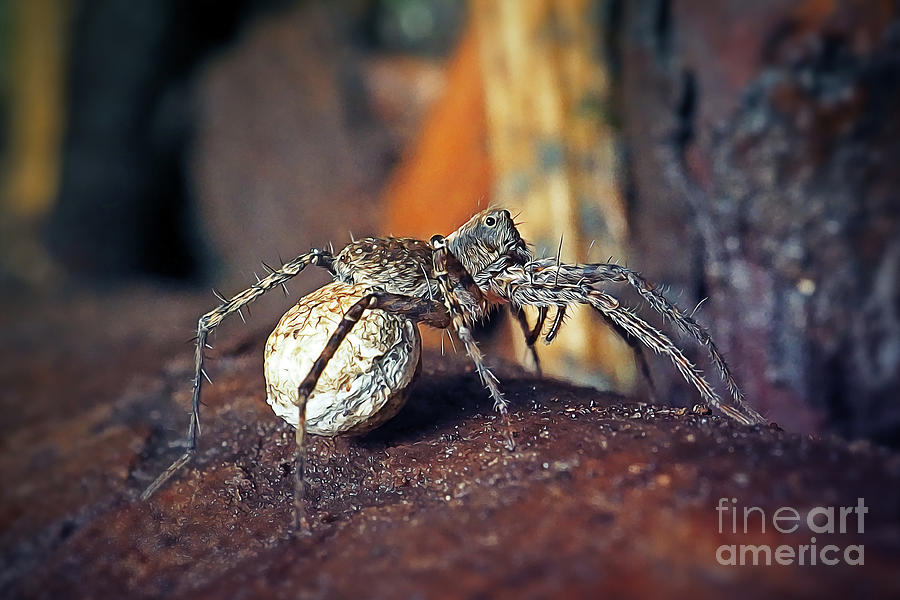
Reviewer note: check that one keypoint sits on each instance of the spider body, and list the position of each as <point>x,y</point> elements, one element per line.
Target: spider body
<point>365,381</point>
<point>365,324</point>
<point>394,265</point>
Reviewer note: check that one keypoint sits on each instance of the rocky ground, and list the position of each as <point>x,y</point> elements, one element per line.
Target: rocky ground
<point>604,494</point>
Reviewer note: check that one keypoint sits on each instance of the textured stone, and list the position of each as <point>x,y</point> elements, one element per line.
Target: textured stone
<point>604,495</point>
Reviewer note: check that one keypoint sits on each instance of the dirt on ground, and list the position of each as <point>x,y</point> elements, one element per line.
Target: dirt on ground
<point>603,495</point>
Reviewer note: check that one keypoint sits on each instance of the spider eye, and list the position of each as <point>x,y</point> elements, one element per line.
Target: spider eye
<point>490,221</point>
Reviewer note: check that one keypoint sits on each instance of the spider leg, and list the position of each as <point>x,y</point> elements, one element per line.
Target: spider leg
<point>585,277</point>
<point>558,321</point>
<point>208,323</point>
<point>660,343</point>
<point>419,310</point>
<point>531,334</point>
<point>538,326</point>
<point>685,322</point>
<point>460,317</point>
<point>575,286</point>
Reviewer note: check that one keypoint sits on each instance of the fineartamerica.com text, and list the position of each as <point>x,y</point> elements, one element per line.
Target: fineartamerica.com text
<point>734,519</point>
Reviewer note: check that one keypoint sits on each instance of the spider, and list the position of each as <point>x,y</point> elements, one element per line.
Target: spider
<point>364,324</point>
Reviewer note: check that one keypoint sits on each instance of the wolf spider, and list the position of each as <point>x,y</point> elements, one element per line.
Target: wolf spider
<point>446,283</point>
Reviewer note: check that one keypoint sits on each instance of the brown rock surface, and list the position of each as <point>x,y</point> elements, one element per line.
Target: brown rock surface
<point>603,495</point>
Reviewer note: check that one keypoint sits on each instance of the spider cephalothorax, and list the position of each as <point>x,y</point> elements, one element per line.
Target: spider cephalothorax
<point>366,323</point>
<point>486,237</point>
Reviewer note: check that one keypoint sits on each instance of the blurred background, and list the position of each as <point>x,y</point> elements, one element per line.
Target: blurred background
<point>743,152</point>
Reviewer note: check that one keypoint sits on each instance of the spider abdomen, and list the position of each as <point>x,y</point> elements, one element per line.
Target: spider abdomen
<point>363,385</point>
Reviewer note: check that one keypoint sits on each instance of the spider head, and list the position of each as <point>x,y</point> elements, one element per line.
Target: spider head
<point>485,237</point>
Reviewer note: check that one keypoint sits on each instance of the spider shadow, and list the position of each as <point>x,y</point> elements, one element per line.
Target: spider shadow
<point>441,403</point>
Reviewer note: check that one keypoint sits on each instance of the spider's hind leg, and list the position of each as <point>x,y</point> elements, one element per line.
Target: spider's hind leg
<point>208,323</point>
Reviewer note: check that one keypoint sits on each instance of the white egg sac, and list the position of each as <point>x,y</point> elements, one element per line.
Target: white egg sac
<point>366,381</point>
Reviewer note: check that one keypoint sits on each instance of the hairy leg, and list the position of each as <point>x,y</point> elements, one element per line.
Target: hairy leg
<point>658,342</point>
<point>461,316</point>
<point>538,287</point>
<point>603,272</point>
<point>419,310</point>
<point>208,323</point>
<point>552,284</point>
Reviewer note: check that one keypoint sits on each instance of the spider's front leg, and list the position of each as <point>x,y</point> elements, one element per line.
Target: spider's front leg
<point>545,283</point>
<point>593,274</point>
<point>208,323</point>
<point>660,343</point>
<point>465,302</point>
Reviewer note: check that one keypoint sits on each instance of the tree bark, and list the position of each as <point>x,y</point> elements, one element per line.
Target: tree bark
<point>763,144</point>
